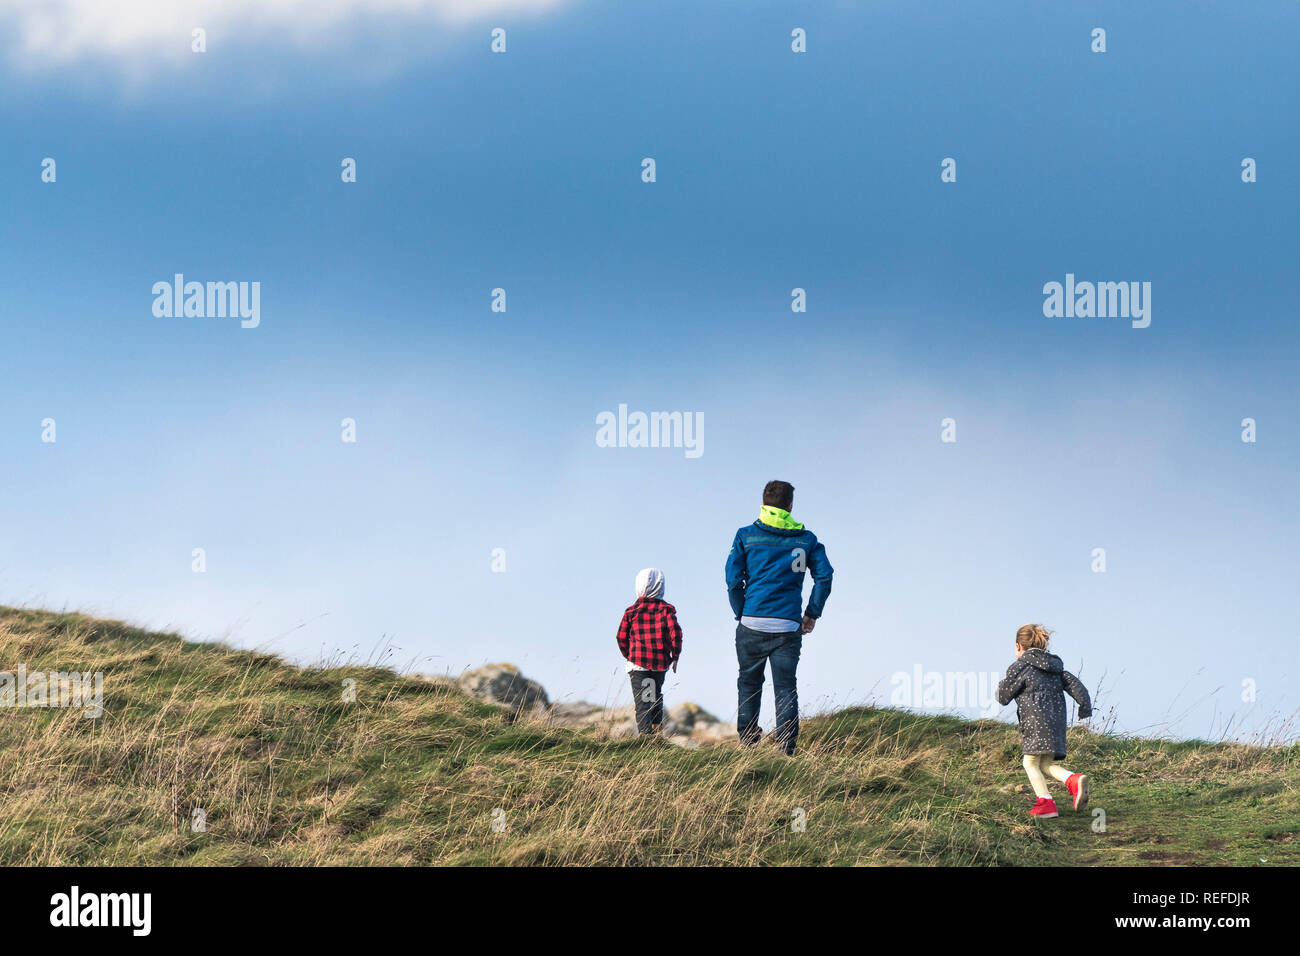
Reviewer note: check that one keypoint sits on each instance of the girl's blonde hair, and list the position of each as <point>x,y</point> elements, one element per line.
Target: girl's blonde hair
<point>1033,635</point>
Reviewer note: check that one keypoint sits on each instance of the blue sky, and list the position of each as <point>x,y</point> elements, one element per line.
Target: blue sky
<point>775,170</point>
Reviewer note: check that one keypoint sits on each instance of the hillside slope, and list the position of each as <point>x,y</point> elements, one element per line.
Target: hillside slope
<point>286,772</point>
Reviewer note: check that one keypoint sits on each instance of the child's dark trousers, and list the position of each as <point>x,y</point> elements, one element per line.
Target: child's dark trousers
<point>648,696</point>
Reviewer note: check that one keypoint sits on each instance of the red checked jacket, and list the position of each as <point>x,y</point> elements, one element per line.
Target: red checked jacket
<point>649,635</point>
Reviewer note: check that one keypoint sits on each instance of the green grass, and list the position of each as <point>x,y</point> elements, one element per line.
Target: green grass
<point>412,772</point>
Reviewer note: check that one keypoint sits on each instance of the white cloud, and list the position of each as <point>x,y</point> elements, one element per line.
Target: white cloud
<point>139,35</point>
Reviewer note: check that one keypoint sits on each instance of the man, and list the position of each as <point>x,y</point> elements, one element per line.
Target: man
<point>765,583</point>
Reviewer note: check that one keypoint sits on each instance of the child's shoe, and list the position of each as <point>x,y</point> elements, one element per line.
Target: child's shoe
<point>1044,809</point>
<point>1077,784</point>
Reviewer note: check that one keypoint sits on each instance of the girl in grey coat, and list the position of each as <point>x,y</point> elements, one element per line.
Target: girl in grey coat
<point>1038,683</point>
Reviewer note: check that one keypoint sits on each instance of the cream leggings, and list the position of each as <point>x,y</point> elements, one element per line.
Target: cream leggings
<point>1038,764</point>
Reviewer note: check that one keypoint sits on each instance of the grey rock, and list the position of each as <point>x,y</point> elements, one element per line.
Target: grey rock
<point>687,715</point>
<point>686,724</point>
<point>503,684</point>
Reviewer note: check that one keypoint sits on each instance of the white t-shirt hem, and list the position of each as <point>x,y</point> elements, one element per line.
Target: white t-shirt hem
<point>629,667</point>
<point>770,625</point>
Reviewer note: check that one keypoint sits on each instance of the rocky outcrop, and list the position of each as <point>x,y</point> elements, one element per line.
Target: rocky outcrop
<point>686,724</point>
<point>503,684</point>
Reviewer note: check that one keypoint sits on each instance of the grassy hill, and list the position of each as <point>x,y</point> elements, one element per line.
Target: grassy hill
<point>412,772</point>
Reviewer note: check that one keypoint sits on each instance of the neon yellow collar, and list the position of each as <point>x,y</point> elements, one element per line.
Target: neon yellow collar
<point>778,518</point>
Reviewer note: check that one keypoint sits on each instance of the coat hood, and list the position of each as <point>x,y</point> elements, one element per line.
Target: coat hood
<point>1048,663</point>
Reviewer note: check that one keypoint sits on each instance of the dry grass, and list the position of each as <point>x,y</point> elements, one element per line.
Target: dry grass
<point>415,773</point>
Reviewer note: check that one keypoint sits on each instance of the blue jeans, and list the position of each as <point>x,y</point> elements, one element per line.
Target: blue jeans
<point>753,650</point>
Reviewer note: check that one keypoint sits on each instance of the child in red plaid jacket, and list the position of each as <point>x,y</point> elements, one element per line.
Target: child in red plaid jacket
<point>651,640</point>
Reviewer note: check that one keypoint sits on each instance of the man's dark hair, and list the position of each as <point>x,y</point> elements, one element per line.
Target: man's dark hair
<point>779,494</point>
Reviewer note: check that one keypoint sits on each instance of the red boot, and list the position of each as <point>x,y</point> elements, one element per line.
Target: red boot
<point>1077,784</point>
<point>1044,809</point>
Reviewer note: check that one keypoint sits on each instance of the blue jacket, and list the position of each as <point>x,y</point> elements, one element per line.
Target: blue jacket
<point>765,572</point>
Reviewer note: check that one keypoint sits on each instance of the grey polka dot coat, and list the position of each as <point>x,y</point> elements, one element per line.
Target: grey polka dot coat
<point>1038,683</point>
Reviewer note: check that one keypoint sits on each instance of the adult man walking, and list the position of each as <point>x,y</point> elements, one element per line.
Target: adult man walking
<point>765,572</point>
